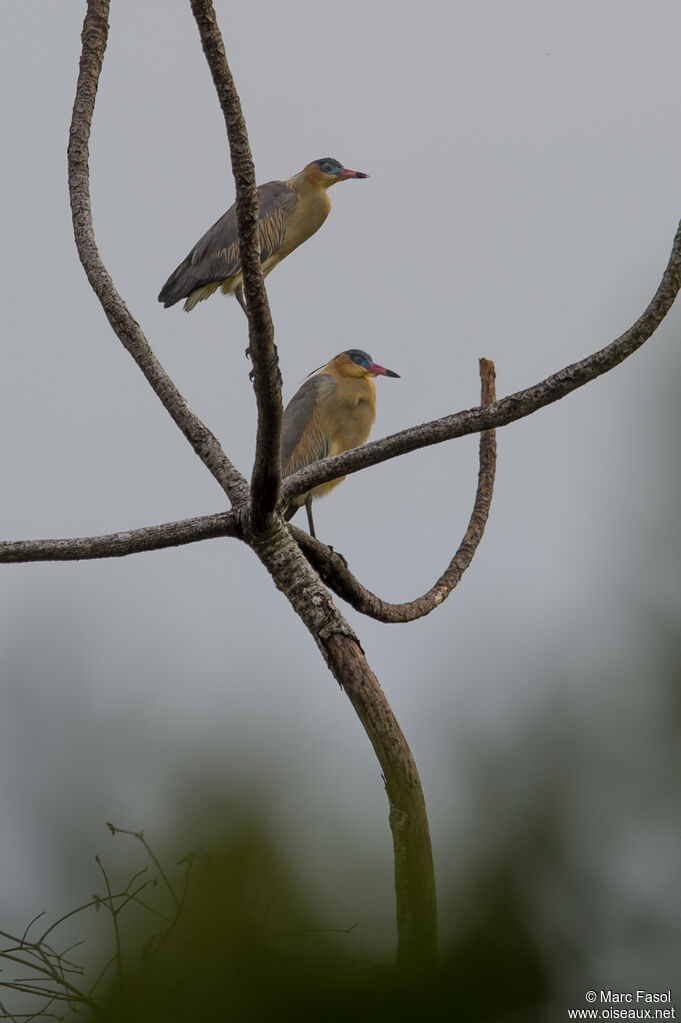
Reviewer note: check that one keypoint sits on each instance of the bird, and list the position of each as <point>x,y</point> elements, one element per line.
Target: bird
<point>289,213</point>
<point>332,411</point>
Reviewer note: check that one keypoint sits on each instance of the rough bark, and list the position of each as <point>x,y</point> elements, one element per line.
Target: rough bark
<point>119,545</point>
<point>266,475</point>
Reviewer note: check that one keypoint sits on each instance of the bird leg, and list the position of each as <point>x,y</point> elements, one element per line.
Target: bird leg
<point>308,509</point>
<point>239,296</point>
<point>290,512</point>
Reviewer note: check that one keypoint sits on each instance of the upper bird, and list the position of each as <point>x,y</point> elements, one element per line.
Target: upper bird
<point>289,213</point>
<point>332,411</point>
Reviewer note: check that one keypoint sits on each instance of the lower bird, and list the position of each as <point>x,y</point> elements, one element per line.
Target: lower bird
<point>332,411</point>
<point>290,212</point>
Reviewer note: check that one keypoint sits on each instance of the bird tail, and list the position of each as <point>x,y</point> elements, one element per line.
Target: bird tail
<point>175,288</point>
<point>181,284</point>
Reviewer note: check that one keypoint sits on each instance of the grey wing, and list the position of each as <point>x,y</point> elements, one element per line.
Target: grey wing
<point>216,255</point>
<point>303,437</point>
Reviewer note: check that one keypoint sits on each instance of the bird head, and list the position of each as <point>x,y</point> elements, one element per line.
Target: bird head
<point>327,172</point>
<point>355,363</point>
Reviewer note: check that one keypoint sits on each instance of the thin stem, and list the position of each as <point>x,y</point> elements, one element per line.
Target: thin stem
<point>113,910</point>
<point>139,835</point>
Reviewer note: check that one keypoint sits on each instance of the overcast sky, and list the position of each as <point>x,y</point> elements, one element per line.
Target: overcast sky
<point>524,193</point>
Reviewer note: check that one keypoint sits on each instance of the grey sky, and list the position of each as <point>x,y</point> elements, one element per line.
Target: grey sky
<point>524,193</point>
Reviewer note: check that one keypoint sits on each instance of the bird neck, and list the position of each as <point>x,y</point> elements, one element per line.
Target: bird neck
<point>306,183</point>
<point>354,389</point>
<point>312,209</point>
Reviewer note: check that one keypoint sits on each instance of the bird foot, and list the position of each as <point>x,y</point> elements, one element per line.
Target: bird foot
<point>247,353</point>
<point>338,555</point>
<point>251,375</point>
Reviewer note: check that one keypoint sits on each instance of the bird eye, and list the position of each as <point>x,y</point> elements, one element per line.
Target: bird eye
<point>328,167</point>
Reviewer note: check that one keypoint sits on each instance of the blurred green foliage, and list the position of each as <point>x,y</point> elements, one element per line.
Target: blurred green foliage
<point>247,948</point>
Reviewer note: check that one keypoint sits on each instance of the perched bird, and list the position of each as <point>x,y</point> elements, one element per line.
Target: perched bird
<point>332,411</point>
<point>290,212</point>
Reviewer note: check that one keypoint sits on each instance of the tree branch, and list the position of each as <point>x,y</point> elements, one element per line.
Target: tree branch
<point>270,539</point>
<point>506,410</point>
<point>204,443</point>
<point>266,476</point>
<point>118,545</point>
<point>338,577</point>
<point>330,566</point>
<point>341,649</point>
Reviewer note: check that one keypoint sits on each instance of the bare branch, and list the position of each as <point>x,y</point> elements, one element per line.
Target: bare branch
<point>341,649</point>
<point>337,576</point>
<point>514,406</point>
<point>49,971</point>
<point>139,835</point>
<point>118,545</point>
<point>414,874</point>
<point>266,477</point>
<point>113,912</point>
<point>506,410</point>
<point>126,328</point>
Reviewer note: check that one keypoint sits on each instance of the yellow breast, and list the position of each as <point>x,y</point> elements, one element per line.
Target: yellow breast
<point>347,416</point>
<point>312,210</point>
